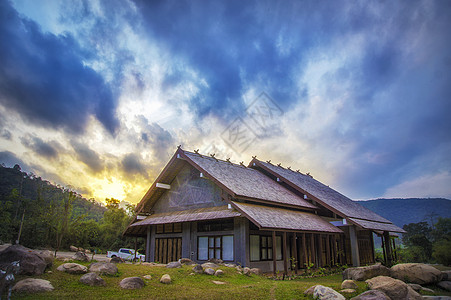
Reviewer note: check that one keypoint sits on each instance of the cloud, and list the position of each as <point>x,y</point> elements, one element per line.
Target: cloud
<point>44,77</point>
<point>46,149</point>
<point>9,159</point>
<point>132,164</point>
<point>88,156</point>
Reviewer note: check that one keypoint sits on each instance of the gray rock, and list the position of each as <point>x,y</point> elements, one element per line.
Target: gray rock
<point>416,273</point>
<point>47,255</point>
<point>81,256</point>
<point>230,265</point>
<point>210,265</point>
<point>218,282</point>
<point>198,269</point>
<point>349,284</point>
<point>166,279</point>
<point>347,291</point>
<point>247,271</point>
<point>364,273</point>
<point>209,271</point>
<point>31,263</point>
<point>73,249</point>
<point>393,288</point>
<point>116,260</point>
<point>186,261</point>
<point>174,264</point>
<point>412,295</point>
<point>427,290</point>
<point>148,277</point>
<point>103,268</point>
<point>131,283</point>
<point>446,285</point>
<point>92,279</point>
<point>73,268</point>
<point>372,295</point>
<point>219,272</point>
<point>215,261</point>
<point>32,285</point>
<point>326,293</point>
<point>310,290</point>
<point>446,275</point>
<point>415,287</point>
<point>256,271</point>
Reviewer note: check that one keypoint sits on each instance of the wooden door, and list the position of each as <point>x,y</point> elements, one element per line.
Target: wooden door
<point>168,249</point>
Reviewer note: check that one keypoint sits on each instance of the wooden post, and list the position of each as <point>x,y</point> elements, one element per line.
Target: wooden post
<point>274,253</point>
<point>328,249</point>
<point>320,249</point>
<point>372,248</point>
<point>304,248</point>
<point>295,252</point>
<point>383,250</point>
<point>136,246</point>
<point>395,254</point>
<point>148,244</point>
<point>285,261</point>
<point>354,246</point>
<point>313,249</point>
<point>388,248</point>
<point>334,249</point>
<point>344,254</point>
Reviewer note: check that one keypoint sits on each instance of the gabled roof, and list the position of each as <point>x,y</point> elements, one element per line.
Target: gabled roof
<point>326,196</point>
<point>238,181</point>
<point>272,218</point>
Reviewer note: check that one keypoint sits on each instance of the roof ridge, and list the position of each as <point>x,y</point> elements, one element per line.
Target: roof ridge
<point>212,157</point>
<point>280,166</point>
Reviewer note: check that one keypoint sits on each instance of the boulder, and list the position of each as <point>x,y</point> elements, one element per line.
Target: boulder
<point>186,261</point>
<point>347,291</point>
<point>148,277</point>
<point>372,295</point>
<point>131,283</point>
<point>446,285</point>
<point>256,271</point>
<point>92,279</point>
<point>310,290</point>
<point>81,256</point>
<point>87,251</point>
<point>174,264</point>
<point>247,271</point>
<point>166,279</point>
<point>446,275</point>
<point>364,273</point>
<point>323,292</point>
<point>116,260</point>
<point>209,271</point>
<point>31,263</point>
<point>416,273</point>
<point>215,261</point>
<point>210,265</point>
<point>412,295</point>
<point>198,269</point>
<point>415,287</point>
<point>47,255</point>
<point>32,285</point>
<point>73,268</point>
<point>73,249</point>
<point>230,265</point>
<point>219,272</point>
<point>349,284</point>
<point>393,288</point>
<point>103,268</point>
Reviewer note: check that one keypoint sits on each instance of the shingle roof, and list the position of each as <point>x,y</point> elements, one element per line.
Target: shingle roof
<point>246,182</point>
<point>323,194</point>
<point>377,225</point>
<point>280,218</point>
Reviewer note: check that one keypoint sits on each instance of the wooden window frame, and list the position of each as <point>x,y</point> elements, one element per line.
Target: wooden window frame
<point>215,247</point>
<point>165,228</point>
<point>267,248</point>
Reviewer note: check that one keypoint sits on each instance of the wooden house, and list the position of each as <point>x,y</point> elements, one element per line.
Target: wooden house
<point>261,215</point>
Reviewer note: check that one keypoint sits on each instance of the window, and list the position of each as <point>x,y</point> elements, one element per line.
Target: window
<point>222,225</point>
<point>261,247</point>
<point>169,228</point>
<point>220,247</point>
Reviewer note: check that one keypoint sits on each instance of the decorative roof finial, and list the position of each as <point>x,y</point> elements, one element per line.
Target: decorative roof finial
<point>298,171</point>
<point>269,162</point>
<point>213,156</point>
<point>242,163</point>
<point>279,164</point>
<point>196,151</point>
<point>289,168</point>
<point>228,160</point>
<point>254,157</point>
<point>179,146</point>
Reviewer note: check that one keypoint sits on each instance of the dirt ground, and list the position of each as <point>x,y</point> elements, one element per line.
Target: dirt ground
<point>98,257</point>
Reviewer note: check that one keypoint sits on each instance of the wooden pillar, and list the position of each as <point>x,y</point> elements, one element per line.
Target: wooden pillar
<point>320,250</point>
<point>152,243</point>
<point>354,246</point>
<point>186,240</point>
<point>295,252</point>
<point>395,254</point>
<point>388,248</point>
<point>383,250</point>
<point>328,249</point>
<point>284,250</point>
<point>274,253</point>
<point>372,247</point>
<point>304,248</point>
<point>334,249</point>
<point>312,241</point>
<point>344,253</point>
<point>136,247</point>
<point>148,244</point>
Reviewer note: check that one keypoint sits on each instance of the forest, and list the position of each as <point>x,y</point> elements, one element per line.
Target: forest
<point>40,214</point>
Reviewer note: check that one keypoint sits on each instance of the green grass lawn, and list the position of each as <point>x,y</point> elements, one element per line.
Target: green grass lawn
<point>183,286</point>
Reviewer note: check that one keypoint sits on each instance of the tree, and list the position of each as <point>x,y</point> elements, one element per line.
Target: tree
<point>68,198</point>
<point>418,241</point>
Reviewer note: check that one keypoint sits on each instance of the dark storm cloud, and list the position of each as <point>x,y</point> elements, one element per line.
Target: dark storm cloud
<point>43,77</point>
<point>88,156</point>
<point>45,149</point>
<point>156,137</point>
<point>9,159</point>
<point>132,164</point>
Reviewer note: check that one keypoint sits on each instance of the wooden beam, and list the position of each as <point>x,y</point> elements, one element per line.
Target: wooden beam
<point>320,254</point>
<point>163,186</point>
<point>312,241</point>
<point>354,246</point>
<point>372,247</point>
<point>383,250</point>
<point>388,248</point>
<point>285,261</point>
<point>328,249</point>
<point>334,249</point>
<point>274,253</point>
<point>148,245</point>
<point>295,253</point>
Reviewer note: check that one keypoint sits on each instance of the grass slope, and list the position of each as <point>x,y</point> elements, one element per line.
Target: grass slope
<point>183,286</point>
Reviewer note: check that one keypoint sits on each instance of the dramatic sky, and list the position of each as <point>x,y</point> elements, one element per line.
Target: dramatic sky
<point>98,94</point>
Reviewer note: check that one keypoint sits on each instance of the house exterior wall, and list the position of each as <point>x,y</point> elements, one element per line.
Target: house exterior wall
<point>189,191</point>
